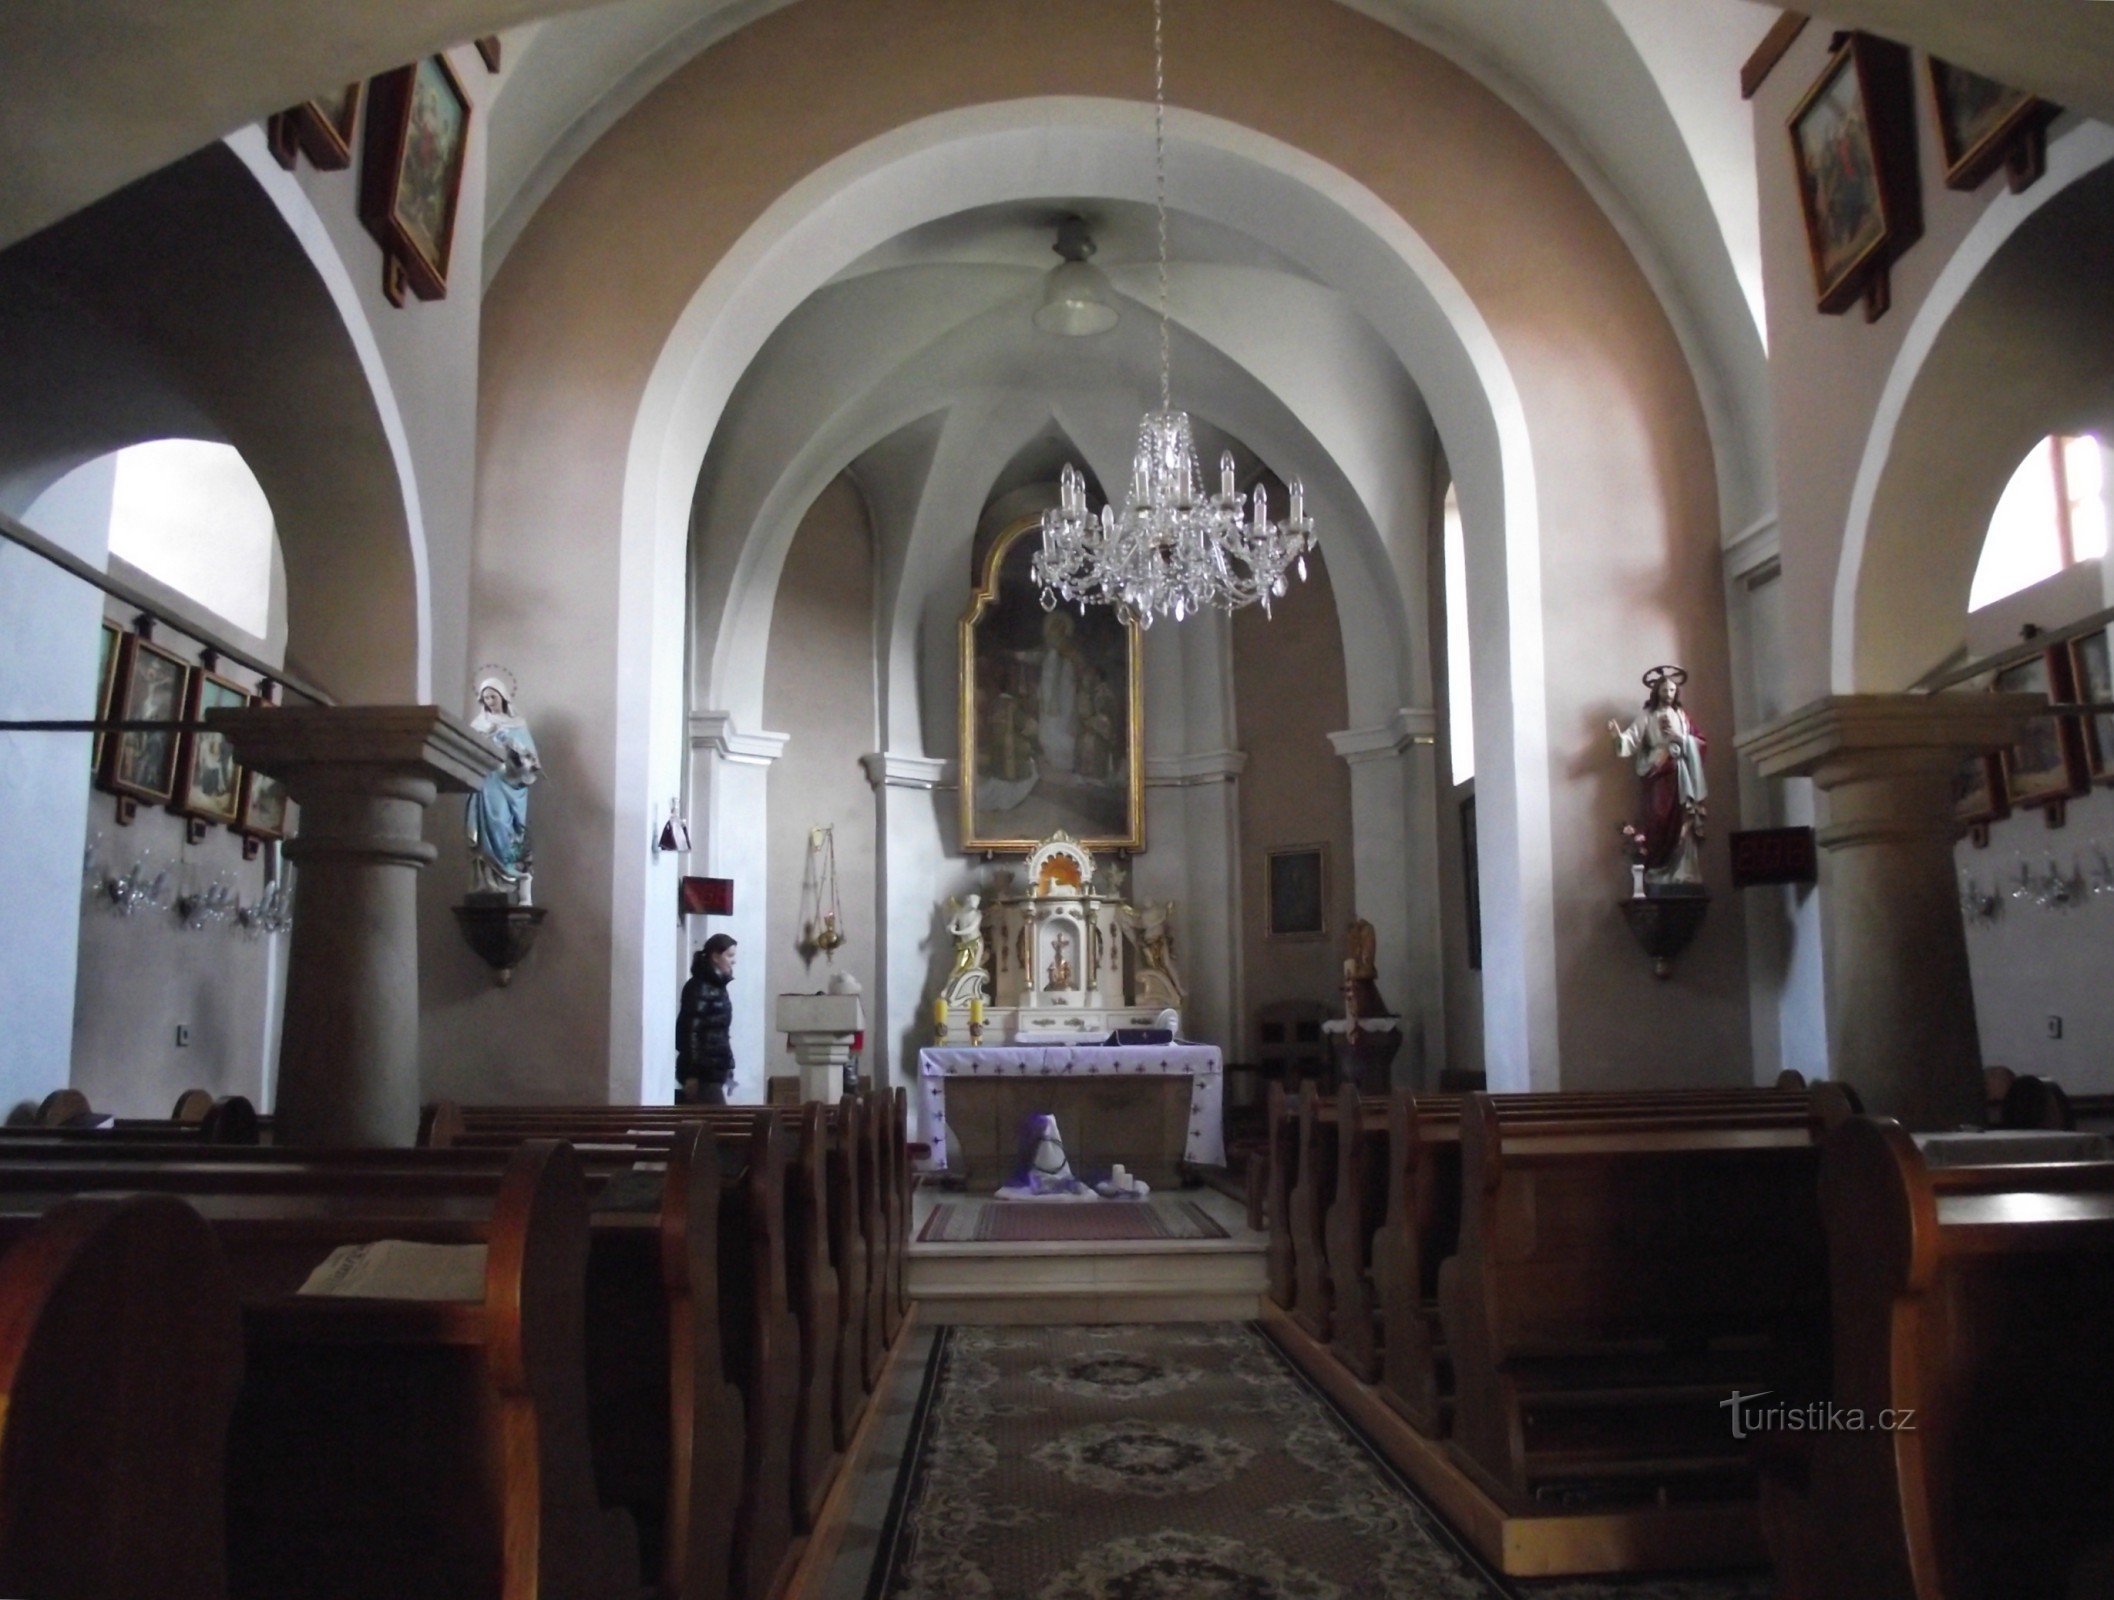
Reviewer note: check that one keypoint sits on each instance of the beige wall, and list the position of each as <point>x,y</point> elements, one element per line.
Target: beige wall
<point>819,689</point>
<point>1288,695</point>
<point>1628,523</point>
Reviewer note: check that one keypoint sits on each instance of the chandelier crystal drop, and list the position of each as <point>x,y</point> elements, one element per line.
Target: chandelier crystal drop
<point>1176,549</point>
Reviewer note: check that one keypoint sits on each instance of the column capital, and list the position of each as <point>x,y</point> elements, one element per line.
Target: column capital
<point>304,744</point>
<point>1848,738</point>
<point>887,770</point>
<point>1199,767</point>
<point>1410,725</point>
<point>715,731</point>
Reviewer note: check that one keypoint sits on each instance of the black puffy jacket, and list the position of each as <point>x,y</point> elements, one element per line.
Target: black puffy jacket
<point>701,1024</point>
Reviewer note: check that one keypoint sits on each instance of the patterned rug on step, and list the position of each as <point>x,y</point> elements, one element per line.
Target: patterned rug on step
<point>1171,1462</point>
<point>1066,1221</point>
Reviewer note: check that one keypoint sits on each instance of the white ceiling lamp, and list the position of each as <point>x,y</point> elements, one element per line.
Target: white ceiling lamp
<point>1176,549</point>
<point>1076,300</point>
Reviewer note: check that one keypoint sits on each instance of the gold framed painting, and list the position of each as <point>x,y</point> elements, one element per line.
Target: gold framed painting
<point>150,687</point>
<point>1853,145</point>
<point>265,804</point>
<point>208,777</point>
<point>2047,766</point>
<point>418,134</point>
<point>1984,125</point>
<point>1052,713</point>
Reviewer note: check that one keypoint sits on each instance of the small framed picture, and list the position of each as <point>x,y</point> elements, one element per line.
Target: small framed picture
<point>1298,892</point>
<point>1853,145</point>
<point>105,681</point>
<point>208,777</point>
<point>2048,765</point>
<point>418,131</point>
<point>2092,675</point>
<point>1978,792</point>
<point>265,806</point>
<point>324,127</point>
<point>1983,125</point>
<point>149,687</point>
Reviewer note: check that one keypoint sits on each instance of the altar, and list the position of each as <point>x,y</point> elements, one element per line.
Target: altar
<point>1149,1107</point>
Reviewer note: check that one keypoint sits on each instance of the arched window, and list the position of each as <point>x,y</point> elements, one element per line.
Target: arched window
<point>2053,514</point>
<point>191,515</point>
<point>1460,699</point>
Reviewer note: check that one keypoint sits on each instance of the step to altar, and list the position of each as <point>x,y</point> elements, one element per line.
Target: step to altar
<point>1156,1280</point>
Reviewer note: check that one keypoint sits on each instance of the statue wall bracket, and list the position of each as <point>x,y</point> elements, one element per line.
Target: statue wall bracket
<point>1665,920</point>
<point>500,932</point>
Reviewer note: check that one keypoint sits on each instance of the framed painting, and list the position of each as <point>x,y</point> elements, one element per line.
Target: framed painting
<point>418,130</point>
<point>105,681</point>
<point>150,686</point>
<point>208,777</point>
<point>1297,892</point>
<point>1978,792</point>
<point>1983,125</point>
<point>2048,765</point>
<point>1052,724</point>
<point>2092,676</point>
<point>1853,147</point>
<point>322,128</point>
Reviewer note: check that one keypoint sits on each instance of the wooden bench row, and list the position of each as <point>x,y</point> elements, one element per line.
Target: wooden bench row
<point>1554,1293</point>
<point>498,1440</point>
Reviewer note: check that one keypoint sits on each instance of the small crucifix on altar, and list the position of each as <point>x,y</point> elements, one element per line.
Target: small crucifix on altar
<point>1060,973</point>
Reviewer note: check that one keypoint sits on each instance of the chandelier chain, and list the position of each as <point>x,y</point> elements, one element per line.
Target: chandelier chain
<point>1159,188</point>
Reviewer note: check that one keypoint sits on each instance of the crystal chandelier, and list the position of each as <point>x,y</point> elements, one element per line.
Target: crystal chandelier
<point>1175,549</point>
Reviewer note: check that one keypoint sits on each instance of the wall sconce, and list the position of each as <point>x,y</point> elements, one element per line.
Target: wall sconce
<point>211,902</point>
<point>145,883</point>
<point>675,832</point>
<point>1978,908</point>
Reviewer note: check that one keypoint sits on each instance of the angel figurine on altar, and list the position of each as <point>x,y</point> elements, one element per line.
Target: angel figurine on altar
<point>965,924</point>
<point>1151,933</point>
<point>1668,749</point>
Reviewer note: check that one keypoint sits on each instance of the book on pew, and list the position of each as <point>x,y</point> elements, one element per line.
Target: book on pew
<point>400,1269</point>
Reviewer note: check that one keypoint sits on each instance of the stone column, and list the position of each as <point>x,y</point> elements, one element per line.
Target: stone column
<point>363,777</point>
<point>1901,1016</point>
<point>1194,801</point>
<point>1395,873</point>
<point>917,865</point>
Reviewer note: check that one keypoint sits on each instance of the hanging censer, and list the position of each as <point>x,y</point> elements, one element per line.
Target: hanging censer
<point>822,865</point>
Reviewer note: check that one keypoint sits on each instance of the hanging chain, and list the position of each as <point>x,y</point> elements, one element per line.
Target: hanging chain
<point>1159,187</point>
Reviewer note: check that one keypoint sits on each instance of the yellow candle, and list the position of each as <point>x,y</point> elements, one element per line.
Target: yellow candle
<point>976,1009</point>
<point>939,1012</point>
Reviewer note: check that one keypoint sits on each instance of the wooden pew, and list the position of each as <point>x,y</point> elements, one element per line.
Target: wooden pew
<point>760,1331</point>
<point>1366,1273</point>
<point>1976,1300</point>
<point>66,1112</point>
<point>1616,1279</point>
<point>830,1271</point>
<point>120,1358</point>
<point>407,1446</point>
<point>1360,1205</point>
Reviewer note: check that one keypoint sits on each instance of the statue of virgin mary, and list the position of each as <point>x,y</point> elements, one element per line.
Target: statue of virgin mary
<point>497,819</point>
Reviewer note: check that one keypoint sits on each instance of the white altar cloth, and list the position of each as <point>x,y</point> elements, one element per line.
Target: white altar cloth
<point>1200,1063</point>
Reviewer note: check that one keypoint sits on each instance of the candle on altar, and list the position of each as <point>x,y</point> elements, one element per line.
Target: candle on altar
<point>939,1012</point>
<point>976,1010</point>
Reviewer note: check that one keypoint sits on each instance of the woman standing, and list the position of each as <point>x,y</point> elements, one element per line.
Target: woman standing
<point>704,1059</point>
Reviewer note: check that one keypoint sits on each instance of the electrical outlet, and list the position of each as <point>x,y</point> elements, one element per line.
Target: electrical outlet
<point>2055,1026</point>
<point>183,1036</point>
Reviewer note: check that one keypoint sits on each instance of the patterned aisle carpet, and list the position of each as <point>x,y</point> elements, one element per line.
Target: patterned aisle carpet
<point>1173,1462</point>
